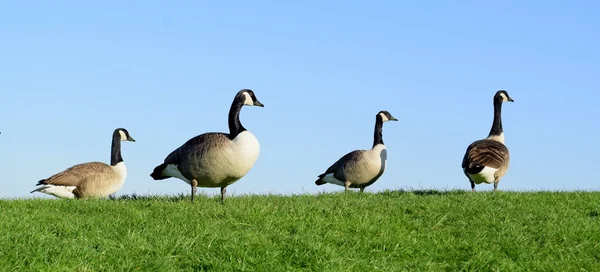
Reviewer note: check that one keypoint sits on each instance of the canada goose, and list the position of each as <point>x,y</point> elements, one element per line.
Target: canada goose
<point>360,168</point>
<point>487,160</point>
<point>215,159</point>
<point>92,179</point>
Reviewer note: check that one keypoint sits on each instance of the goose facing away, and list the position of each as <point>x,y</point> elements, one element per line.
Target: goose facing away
<point>215,159</point>
<point>92,179</point>
<point>360,168</point>
<point>486,160</point>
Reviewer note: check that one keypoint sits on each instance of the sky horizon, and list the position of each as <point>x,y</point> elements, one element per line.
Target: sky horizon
<point>72,72</point>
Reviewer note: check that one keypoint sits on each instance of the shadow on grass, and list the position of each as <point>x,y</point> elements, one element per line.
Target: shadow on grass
<point>186,197</point>
<point>168,198</point>
<point>386,193</point>
<point>423,192</point>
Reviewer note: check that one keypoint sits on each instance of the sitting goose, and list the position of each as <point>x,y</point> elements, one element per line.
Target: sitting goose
<point>360,168</point>
<point>487,160</point>
<point>215,159</point>
<point>92,179</point>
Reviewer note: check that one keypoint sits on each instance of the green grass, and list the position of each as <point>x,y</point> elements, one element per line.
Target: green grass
<point>388,231</point>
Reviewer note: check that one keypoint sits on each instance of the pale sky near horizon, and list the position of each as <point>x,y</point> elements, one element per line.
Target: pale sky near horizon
<point>71,72</point>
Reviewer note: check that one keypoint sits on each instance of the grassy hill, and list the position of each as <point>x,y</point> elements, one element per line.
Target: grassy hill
<point>388,231</point>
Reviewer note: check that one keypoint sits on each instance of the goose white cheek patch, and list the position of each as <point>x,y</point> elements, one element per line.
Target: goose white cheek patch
<point>123,136</point>
<point>248,100</point>
<point>383,117</point>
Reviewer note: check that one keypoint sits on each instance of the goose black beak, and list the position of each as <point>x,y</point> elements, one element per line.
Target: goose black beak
<point>510,100</point>
<point>130,139</point>
<point>393,119</point>
<point>258,104</point>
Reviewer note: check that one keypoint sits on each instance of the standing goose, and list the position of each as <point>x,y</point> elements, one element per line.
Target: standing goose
<point>92,179</point>
<point>215,159</point>
<point>487,160</point>
<point>360,168</point>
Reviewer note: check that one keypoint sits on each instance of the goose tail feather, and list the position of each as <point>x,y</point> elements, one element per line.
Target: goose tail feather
<point>157,173</point>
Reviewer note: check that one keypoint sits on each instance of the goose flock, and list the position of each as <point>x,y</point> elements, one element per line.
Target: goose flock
<point>219,159</point>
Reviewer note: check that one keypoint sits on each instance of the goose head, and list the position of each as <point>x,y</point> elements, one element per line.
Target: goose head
<point>386,116</point>
<point>502,96</point>
<point>124,134</point>
<point>247,98</point>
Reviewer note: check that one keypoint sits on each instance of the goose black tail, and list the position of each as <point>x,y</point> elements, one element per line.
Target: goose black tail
<point>157,173</point>
<point>320,181</point>
<point>474,169</point>
<point>41,182</point>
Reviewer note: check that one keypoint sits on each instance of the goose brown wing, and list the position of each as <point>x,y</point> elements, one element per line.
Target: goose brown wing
<point>197,146</point>
<point>485,152</point>
<point>346,161</point>
<point>74,175</point>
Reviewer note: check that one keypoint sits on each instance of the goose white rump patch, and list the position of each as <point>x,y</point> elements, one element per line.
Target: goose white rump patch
<point>485,176</point>
<point>172,171</point>
<point>329,178</point>
<point>57,191</point>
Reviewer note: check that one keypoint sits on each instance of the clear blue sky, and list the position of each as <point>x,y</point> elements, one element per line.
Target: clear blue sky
<point>72,71</point>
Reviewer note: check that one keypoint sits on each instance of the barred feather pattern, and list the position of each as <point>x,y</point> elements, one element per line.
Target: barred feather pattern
<point>92,179</point>
<point>486,152</point>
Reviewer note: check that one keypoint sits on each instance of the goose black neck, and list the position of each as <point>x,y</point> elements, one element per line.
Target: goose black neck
<point>497,124</point>
<point>115,154</point>
<point>235,126</point>
<point>378,134</point>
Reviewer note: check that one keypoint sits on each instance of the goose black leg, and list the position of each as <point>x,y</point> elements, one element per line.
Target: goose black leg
<point>496,185</point>
<point>472,186</point>
<point>362,189</point>
<point>194,184</point>
<point>223,191</point>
